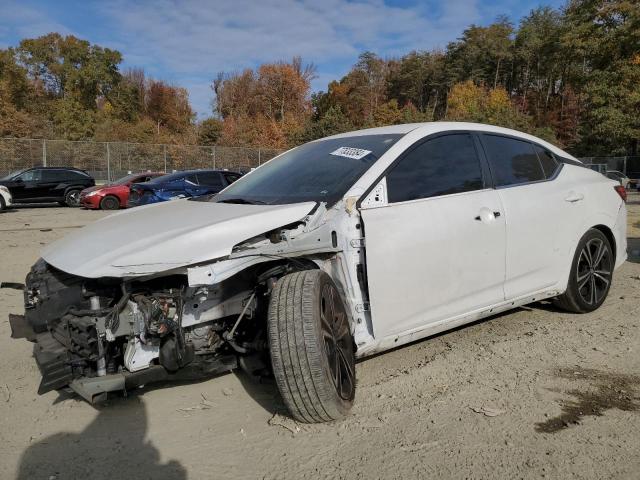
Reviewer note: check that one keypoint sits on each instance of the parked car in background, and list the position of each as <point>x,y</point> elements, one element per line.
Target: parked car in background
<point>113,195</point>
<point>618,177</point>
<point>335,250</point>
<point>185,184</point>
<point>48,184</point>
<point>5,198</point>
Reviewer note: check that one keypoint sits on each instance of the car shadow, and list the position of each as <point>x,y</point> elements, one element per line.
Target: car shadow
<point>113,445</point>
<point>23,206</point>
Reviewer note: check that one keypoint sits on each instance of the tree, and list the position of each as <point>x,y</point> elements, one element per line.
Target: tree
<point>209,131</point>
<point>473,103</point>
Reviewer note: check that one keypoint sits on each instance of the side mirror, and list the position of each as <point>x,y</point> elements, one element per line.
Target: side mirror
<point>376,197</point>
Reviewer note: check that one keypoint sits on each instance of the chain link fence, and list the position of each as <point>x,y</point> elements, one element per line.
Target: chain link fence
<point>629,165</point>
<point>107,161</point>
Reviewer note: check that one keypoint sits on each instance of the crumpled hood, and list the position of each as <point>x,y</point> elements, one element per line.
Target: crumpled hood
<point>161,237</point>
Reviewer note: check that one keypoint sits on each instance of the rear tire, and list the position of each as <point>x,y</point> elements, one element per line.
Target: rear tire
<point>591,274</point>
<point>72,198</point>
<point>110,203</point>
<point>312,350</point>
<point>3,205</point>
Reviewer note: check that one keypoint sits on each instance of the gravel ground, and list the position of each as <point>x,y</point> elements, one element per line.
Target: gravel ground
<point>533,393</point>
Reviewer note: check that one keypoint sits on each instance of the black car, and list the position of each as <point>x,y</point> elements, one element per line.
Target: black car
<point>48,184</point>
<point>186,184</point>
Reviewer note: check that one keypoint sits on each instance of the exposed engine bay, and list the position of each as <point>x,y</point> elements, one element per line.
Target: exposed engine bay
<point>102,335</point>
<point>109,327</point>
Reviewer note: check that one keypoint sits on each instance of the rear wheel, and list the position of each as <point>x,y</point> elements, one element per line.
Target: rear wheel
<point>3,205</point>
<point>311,347</point>
<point>72,198</point>
<point>109,203</point>
<point>591,274</point>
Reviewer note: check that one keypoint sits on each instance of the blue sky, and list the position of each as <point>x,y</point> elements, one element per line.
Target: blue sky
<point>188,42</point>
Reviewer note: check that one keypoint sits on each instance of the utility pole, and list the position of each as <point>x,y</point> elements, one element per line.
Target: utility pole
<point>108,163</point>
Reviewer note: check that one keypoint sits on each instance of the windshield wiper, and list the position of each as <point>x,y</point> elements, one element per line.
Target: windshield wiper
<point>242,201</point>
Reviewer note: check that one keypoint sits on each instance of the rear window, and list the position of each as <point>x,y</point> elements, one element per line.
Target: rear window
<point>512,161</point>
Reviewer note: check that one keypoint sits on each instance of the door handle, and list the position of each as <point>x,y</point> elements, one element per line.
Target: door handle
<point>573,197</point>
<point>487,215</point>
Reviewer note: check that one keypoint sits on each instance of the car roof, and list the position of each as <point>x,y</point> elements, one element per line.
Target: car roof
<point>428,128</point>
<point>56,168</point>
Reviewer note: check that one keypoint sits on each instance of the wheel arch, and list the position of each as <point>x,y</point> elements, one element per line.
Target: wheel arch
<point>607,232</point>
<point>70,188</point>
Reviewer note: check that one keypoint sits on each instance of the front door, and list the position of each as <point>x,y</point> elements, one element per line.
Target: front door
<point>435,247</point>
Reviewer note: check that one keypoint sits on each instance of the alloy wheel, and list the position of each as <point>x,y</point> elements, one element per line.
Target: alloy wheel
<point>337,342</point>
<point>593,274</point>
<point>73,198</point>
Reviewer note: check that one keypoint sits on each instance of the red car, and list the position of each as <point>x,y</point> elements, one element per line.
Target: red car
<point>113,195</point>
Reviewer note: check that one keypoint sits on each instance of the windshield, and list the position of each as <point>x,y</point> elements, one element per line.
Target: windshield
<point>319,171</point>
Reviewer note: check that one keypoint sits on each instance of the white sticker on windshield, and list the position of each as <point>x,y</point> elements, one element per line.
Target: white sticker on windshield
<point>351,152</point>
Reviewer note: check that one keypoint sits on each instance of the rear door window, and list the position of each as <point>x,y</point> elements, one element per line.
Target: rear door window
<point>55,175</point>
<point>512,161</point>
<point>440,166</point>
<point>210,179</point>
<point>547,160</point>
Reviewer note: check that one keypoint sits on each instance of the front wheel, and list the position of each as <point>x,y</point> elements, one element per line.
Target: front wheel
<point>591,274</point>
<point>312,350</point>
<point>72,198</point>
<point>109,203</point>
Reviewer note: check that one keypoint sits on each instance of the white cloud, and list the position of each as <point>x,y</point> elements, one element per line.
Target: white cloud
<point>189,41</point>
<point>197,39</point>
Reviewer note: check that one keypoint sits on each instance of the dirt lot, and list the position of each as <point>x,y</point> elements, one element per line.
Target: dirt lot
<point>529,394</point>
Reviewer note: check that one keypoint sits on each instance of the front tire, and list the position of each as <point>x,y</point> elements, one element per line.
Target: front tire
<point>109,203</point>
<point>591,274</point>
<point>312,350</point>
<point>3,205</point>
<point>72,198</point>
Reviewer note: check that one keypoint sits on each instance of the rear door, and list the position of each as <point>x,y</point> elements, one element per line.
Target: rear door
<point>53,183</point>
<point>435,246</point>
<point>539,212</point>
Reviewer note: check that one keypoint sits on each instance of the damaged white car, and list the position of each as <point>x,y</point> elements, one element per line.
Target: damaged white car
<point>335,250</point>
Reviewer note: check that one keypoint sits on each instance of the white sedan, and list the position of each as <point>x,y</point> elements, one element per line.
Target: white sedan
<point>339,248</point>
<point>5,198</point>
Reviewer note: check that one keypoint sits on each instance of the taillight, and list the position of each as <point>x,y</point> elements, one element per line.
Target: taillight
<point>621,191</point>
